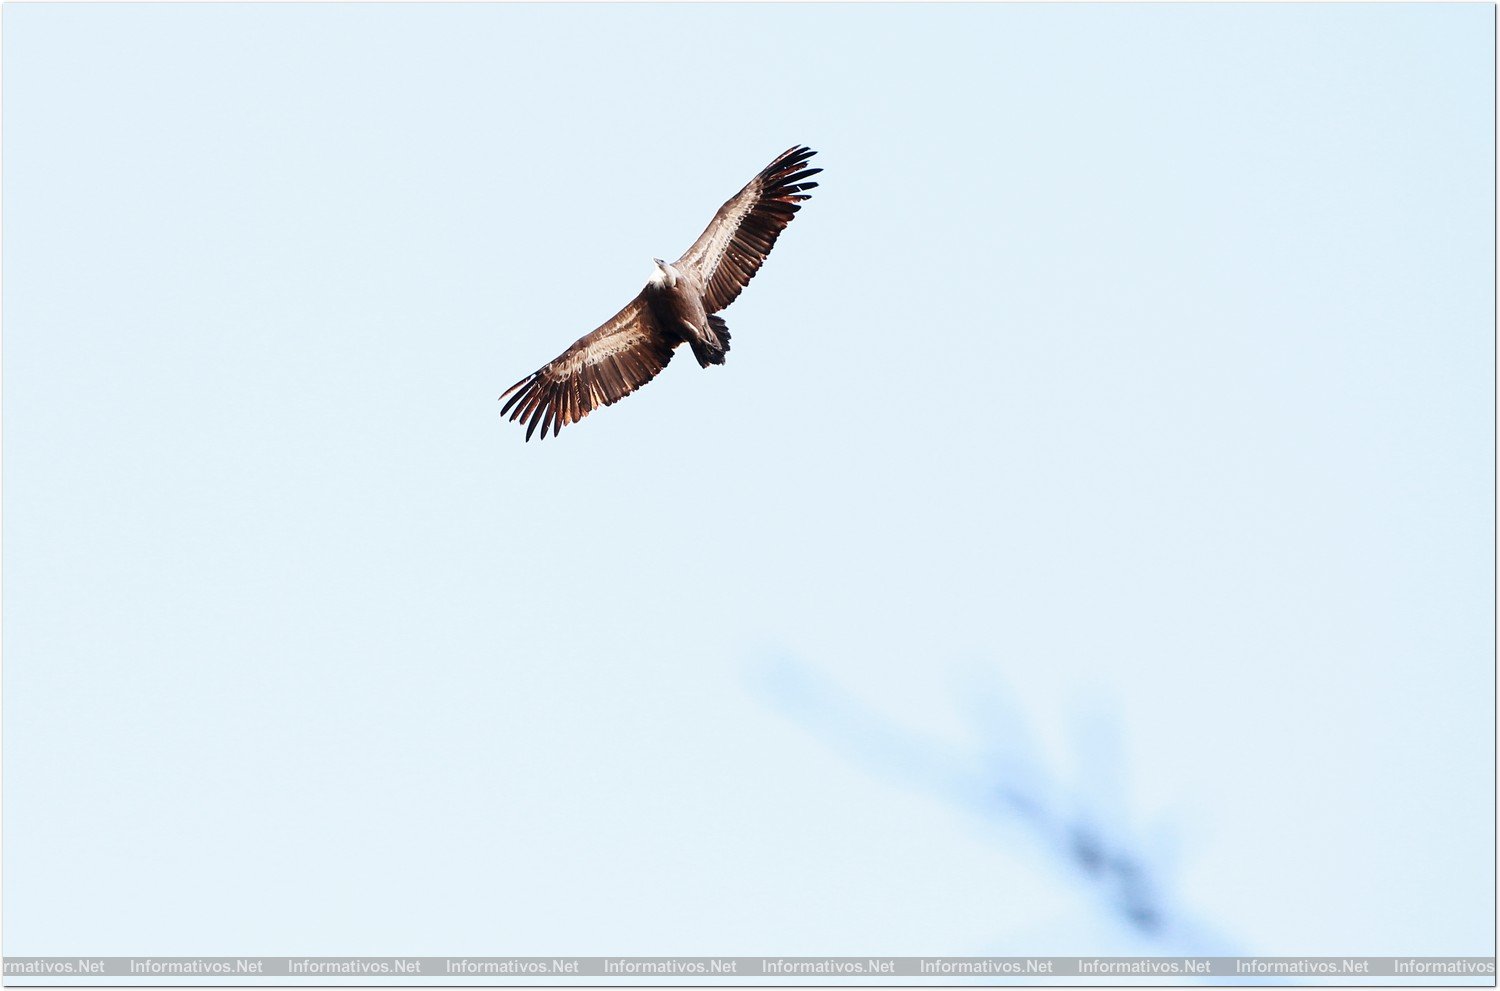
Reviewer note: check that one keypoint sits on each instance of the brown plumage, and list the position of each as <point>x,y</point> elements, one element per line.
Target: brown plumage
<point>676,307</point>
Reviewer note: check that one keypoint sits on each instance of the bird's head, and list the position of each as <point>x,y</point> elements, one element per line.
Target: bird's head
<point>665,274</point>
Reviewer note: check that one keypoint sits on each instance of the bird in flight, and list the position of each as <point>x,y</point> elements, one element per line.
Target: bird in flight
<point>678,306</point>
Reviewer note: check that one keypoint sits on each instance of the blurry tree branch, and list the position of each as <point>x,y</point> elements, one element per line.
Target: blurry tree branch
<point>1082,830</point>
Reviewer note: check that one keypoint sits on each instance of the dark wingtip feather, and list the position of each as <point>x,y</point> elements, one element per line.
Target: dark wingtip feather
<point>517,396</point>
<point>788,160</point>
<point>536,419</point>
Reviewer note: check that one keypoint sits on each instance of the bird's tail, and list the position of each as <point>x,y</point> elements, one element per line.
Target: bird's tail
<point>712,352</point>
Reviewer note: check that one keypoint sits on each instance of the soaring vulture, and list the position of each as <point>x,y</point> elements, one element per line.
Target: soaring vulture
<point>677,306</point>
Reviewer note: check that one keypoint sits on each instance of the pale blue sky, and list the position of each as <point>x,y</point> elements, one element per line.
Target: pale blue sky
<point>1137,360</point>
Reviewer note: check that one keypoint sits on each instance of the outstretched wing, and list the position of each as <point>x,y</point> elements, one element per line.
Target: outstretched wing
<point>600,368</point>
<point>727,255</point>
